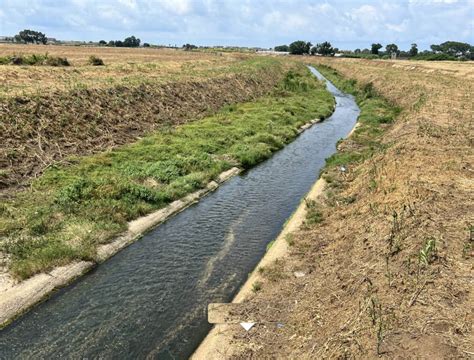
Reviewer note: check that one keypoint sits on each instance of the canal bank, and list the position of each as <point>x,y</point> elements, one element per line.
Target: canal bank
<point>150,299</point>
<point>219,344</point>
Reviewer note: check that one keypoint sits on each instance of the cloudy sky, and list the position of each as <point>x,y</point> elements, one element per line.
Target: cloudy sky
<point>347,24</point>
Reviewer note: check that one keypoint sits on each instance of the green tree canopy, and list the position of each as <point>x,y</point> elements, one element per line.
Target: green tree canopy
<point>453,48</point>
<point>282,48</point>
<point>31,36</point>
<point>375,48</point>
<point>324,49</point>
<point>413,50</point>
<point>299,47</point>
<point>131,41</point>
<point>392,49</point>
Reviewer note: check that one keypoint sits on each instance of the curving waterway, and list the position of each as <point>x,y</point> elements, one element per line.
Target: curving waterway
<point>149,301</point>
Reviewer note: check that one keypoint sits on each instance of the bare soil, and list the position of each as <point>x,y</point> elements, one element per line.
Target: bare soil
<point>372,289</point>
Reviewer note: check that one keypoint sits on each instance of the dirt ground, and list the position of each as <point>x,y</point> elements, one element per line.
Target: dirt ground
<point>388,274</point>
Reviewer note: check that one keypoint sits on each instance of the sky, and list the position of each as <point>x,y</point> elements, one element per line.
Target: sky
<point>346,24</point>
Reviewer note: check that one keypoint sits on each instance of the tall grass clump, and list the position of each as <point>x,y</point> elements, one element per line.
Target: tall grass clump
<point>95,61</point>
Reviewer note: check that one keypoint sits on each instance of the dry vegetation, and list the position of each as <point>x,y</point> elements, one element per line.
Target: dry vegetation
<point>49,113</point>
<point>389,261</point>
<point>163,138</point>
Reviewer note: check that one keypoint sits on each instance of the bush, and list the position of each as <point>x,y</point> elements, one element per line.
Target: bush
<point>95,61</point>
<point>55,61</point>
<point>34,59</point>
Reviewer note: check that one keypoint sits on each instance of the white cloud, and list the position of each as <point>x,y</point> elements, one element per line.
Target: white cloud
<point>348,24</point>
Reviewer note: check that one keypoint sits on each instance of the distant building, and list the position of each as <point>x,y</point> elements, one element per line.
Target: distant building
<point>6,39</point>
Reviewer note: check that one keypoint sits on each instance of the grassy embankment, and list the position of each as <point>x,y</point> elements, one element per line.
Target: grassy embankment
<point>71,209</point>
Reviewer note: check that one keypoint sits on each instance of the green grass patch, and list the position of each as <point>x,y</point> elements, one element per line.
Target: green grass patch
<point>72,209</point>
<point>376,114</point>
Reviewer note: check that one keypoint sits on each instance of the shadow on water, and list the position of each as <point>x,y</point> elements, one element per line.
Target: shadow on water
<point>150,299</point>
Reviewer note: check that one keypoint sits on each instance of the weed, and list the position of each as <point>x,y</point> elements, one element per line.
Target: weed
<point>270,244</point>
<point>290,239</point>
<point>256,286</point>
<point>428,252</point>
<point>95,61</point>
<point>314,214</point>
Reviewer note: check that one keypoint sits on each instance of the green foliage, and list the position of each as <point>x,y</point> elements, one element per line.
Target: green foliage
<point>130,41</point>
<point>324,49</point>
<point>375,48</point>
<point>71,209</point>
<point>413,50</point>
<point>428,252</point>
<point>454,48</point>
<point>282,48</point>
<point>300,47</point>
<point>189,47</point>
<point>392,49</point>
<point>375,114</point>
<point>434,57</point>
<point>31,36</point>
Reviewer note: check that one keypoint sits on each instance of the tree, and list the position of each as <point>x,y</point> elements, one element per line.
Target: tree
<point>102,42</point>
<point>392,49</point>
<point>282,48</point>
<point>324,49</point>
<point>111,43</point>
<point>188,47</point>
<point>375,48</point>
<point>453,48</point>
<point>357,51</point>
<point>146,45</point>
<point>299,47</point>
<point>413,50</point>
<point>31,36</point>
<point>131,41</point>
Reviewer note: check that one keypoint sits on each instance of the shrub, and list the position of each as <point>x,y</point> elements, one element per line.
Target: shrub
<point>95,61</point>
<point>56,61</point>
<point>34,59</point>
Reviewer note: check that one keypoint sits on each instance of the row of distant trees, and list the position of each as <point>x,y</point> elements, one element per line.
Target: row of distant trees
<point>130,41</point>
<point>302,47</point>
<point>452,49</point>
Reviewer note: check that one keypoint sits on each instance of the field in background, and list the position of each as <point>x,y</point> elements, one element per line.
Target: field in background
<point>123,66</point>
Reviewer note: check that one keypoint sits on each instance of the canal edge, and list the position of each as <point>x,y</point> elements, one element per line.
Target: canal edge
<point>218,342</point>
<point>18,299</point>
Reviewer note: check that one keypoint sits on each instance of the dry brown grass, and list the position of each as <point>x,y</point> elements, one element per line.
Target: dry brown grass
<point>123,66</point>
<point>367,293</point>
<point>50,113</point>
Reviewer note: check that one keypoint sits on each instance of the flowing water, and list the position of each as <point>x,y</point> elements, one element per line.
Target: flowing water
<point>150,299</point>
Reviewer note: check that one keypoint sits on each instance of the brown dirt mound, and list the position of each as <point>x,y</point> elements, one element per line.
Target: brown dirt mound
<point>366,293</point>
